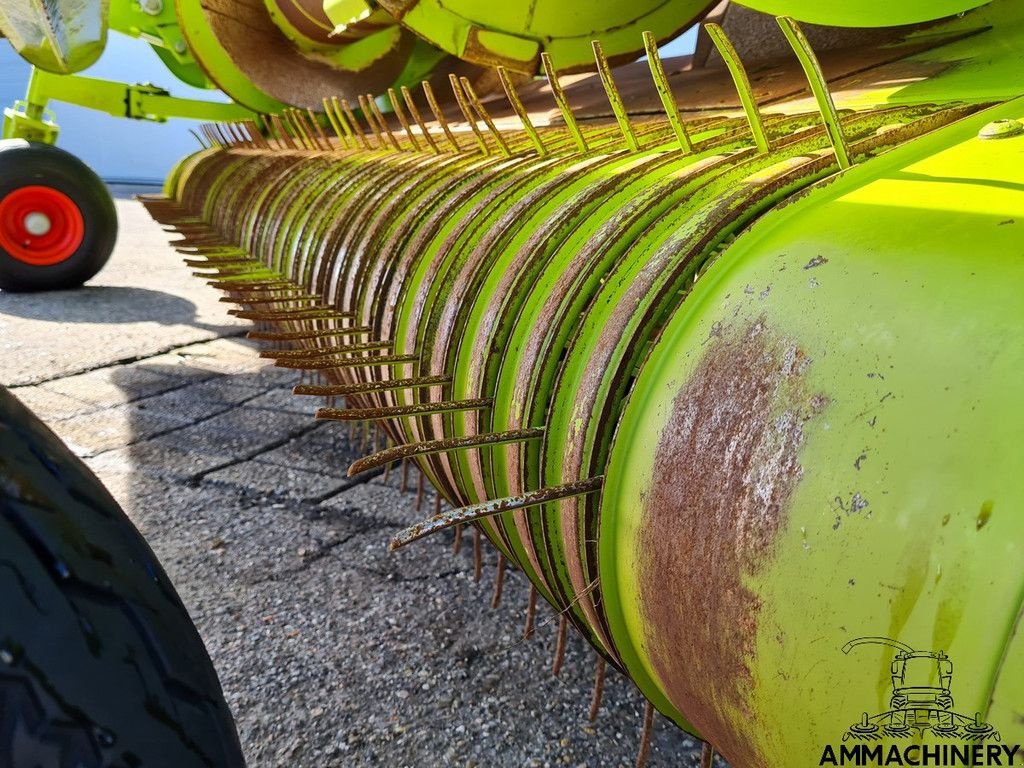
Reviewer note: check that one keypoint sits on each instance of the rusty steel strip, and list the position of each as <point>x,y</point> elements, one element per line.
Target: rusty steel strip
<point>412,450</point>
<point>420,409</point>
<point>478,512</point>
<point>334,390</point>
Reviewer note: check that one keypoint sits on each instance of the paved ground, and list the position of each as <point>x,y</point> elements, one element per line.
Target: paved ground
<point>331,651</point>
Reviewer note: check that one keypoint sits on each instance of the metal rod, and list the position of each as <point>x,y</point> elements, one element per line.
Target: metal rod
<point>415,112</point>
<point>419,409</point>
<point>410,450</point>
<point>742,83</point>
<point>481,110</point>
<point>563,103</point>
<point>439,115</point>
<point>467,112</point>
<point>668,100</point>
<point>819,87</point>
<point>520,110</point>
<point>400,113</point>
<point>494,507</point>
<point>614,97</point>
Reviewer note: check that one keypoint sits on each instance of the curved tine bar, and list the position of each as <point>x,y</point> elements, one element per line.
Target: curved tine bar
<point>348,362</point>
<point>419,409</point>
<point>412,450</point>
<point>340,349</point>
<point>819,87</point>
<point>301,313</point>
<point>467,112</point>
<point>520,110</point>
<point>338,113</point>
<point>668,100</point>
<point>439,115</point>
<point>400,114</point>
<point>339,132</point>
<point>385,128</point>
<point>312,333</point>
<point>481,110</point>
<point>368,116</point>
<point>563,103</point>
<point>336,390</point>
<point>614,97</point>
<point>350,116</point>
<point>742,83</point>
<point>415,112</point>
<point>491,508</point>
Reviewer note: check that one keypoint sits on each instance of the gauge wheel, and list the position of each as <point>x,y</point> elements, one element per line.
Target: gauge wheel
<point>58,224</point>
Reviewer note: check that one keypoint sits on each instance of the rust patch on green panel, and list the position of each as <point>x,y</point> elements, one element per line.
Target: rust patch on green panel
<point>728,464</point>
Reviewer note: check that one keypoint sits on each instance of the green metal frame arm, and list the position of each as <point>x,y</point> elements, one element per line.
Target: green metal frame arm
<point>140,102</point>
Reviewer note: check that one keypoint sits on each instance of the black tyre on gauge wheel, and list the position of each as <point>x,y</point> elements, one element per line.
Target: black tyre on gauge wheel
<point>58,224</point>
<point>100,664</point>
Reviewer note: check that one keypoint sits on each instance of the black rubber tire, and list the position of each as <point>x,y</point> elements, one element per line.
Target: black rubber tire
<point>100,664</point>
<point>24,163</point>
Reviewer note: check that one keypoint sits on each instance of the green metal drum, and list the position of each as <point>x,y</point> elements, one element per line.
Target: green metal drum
<point>515,33</point>
<point>864,13</point>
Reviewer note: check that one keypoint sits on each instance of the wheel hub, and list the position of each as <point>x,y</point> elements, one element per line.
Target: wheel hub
<point>37,223</point>
<point>40,225</point>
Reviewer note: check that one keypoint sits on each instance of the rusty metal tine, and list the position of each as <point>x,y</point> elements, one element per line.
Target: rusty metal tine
<point>707,755</point>
<point>668,99</point>
<point>481,110</point>
<point>319,129</point>
<point>531,612</point>
<point>598,694</point>
<point>300,135</point>
<point>520,110</point>
<point>370,121</point>
<point>645,735</point>
<point>419,409</point>
<point>415,112</point>
<point>335,125</point>
<point>348,362</point>
<point>309,129</point>
<point>281,354</point>
<point>439,115</point>
<point>385,128</point>
<point>563,103</point>
<point>742,83</point>
<point>356,127</point>
<point>478,555</point>
<point>202,143</point>
<point>283,133</point>
<point>499,581</point>
<point>295,314</point>
<point>400,114</point>
<point>491,508</point>
<point>349,133</point>
<point>467,113</point>
<point>819,87</point>
<point>410,450</point>
<point>313,333</point>
<point>614,97</point>
<point>559,659</point>
<point>333,390</point>
<point>258,134</point>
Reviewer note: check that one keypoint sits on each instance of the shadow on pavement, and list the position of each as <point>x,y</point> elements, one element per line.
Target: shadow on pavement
<point>332,651</point>
<point>106,304</point>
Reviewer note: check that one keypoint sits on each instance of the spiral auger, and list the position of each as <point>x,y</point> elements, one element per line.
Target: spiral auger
<point>486,290</point>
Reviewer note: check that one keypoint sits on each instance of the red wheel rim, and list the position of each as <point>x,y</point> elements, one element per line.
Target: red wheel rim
<point>40,225</point>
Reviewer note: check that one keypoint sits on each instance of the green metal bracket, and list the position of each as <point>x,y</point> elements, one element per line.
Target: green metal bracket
<point>29,119</point>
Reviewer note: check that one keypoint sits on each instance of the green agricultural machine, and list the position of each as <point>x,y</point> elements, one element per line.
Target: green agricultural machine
<point>724,353</point>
